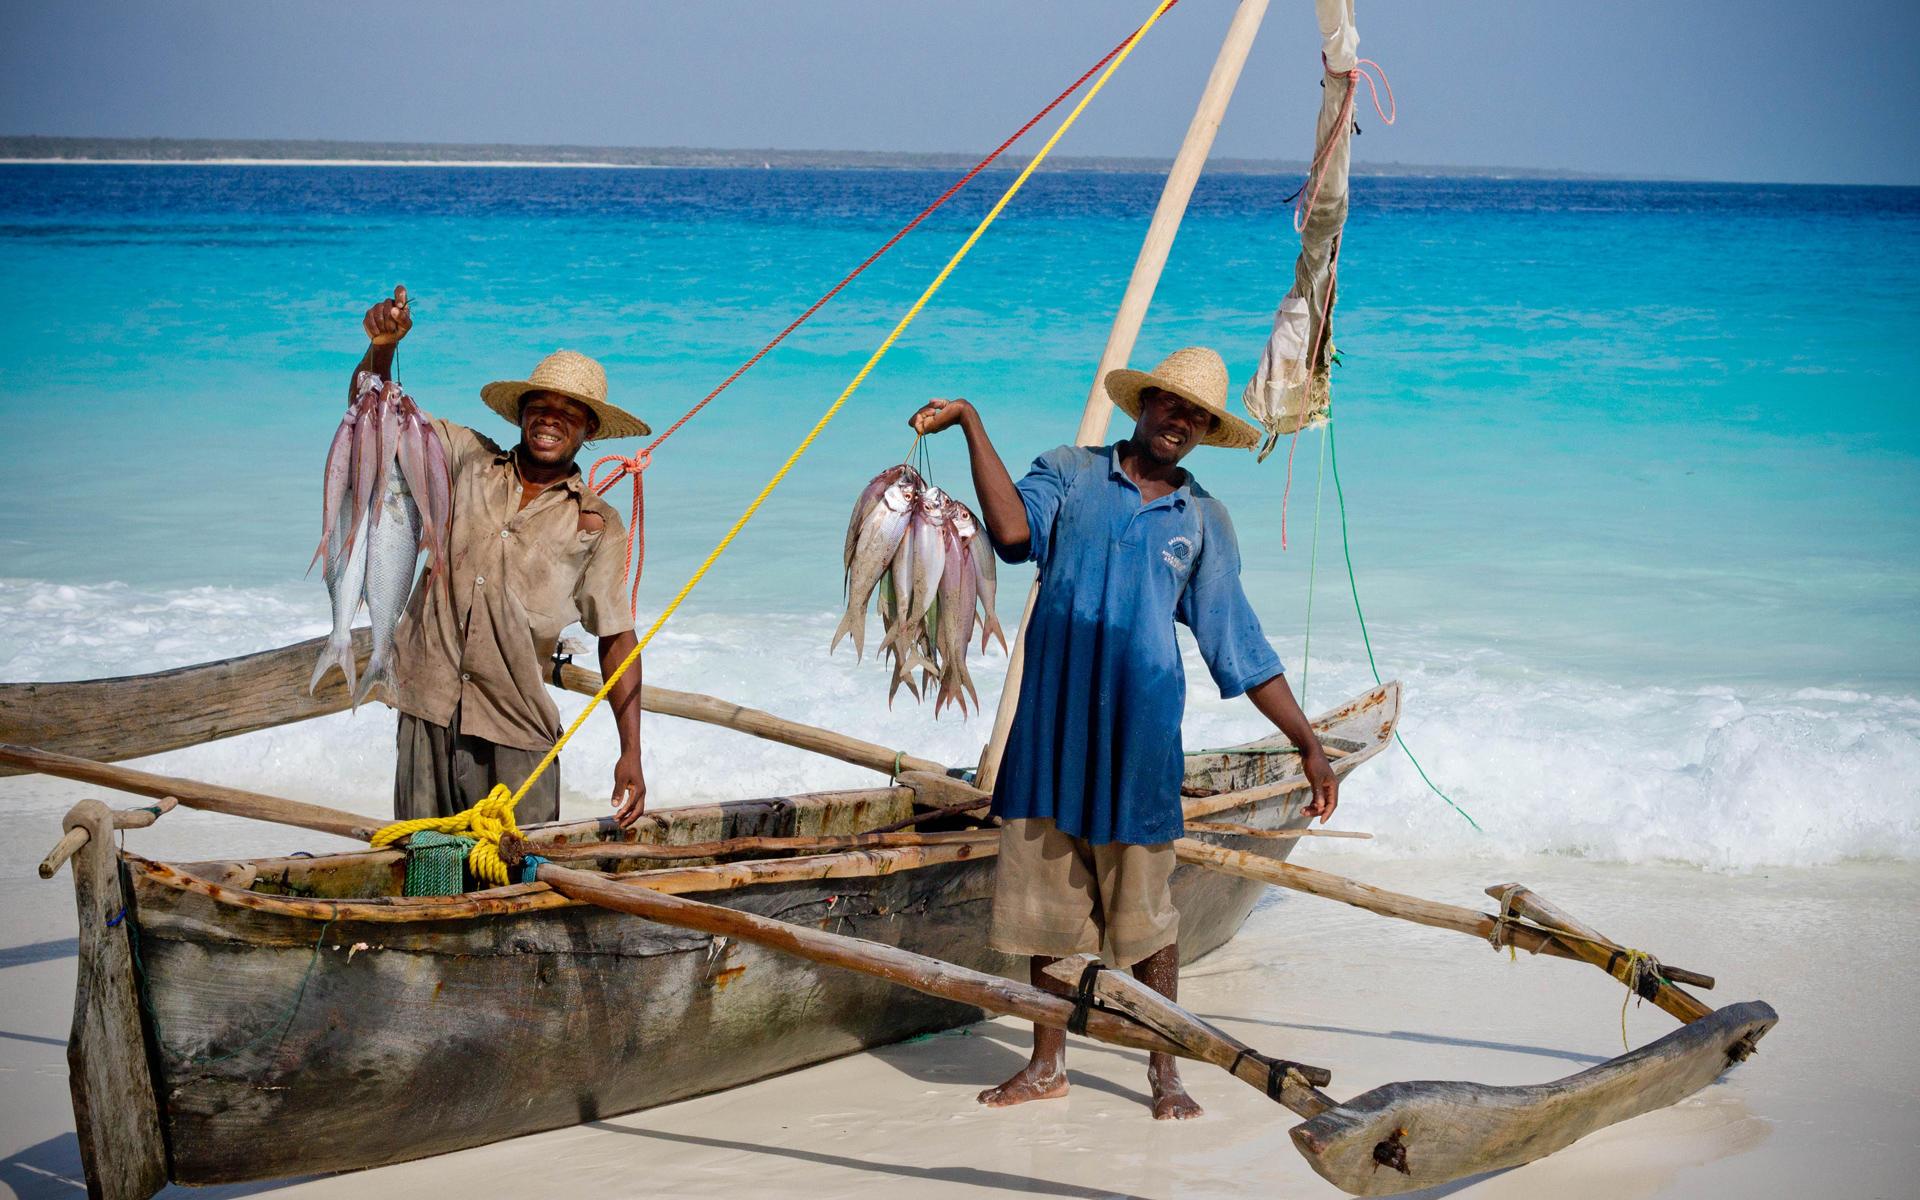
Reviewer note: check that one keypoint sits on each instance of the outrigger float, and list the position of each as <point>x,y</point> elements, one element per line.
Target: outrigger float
<point>240,1020</point>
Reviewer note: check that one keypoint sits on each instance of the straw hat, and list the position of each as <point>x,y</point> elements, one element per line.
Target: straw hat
<point>1195,374</point>
<point>574,376</point>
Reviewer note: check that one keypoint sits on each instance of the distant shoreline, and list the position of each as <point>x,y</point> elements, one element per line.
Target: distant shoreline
<point>36,150</point>
<point>324,162</point>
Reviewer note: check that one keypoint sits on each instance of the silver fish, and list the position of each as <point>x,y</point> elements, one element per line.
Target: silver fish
<point>870,496</point>
<point>393,550</point>
<point>983,568</point>
<point>927,532</point>
<point>386,461</point>
<point>346,575</point>
<point>954,618</point>
<point>878,539</point>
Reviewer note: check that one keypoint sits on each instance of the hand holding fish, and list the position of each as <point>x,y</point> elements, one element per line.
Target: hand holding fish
<point>936,415</point>
<point>388,321</point>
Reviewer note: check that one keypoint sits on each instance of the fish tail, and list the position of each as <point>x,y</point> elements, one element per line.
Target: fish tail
<point>854,623</point>
<point>336,653</point>
<point>379,676</point>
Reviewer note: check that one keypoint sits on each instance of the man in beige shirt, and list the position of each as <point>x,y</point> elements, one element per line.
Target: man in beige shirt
<point>532,550</point>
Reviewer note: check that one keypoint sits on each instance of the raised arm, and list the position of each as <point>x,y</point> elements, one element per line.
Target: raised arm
<point>386,323</point>
<point>1000,504</point>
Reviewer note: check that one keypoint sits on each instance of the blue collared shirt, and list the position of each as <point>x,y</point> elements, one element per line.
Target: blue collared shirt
<point>1096,742</point>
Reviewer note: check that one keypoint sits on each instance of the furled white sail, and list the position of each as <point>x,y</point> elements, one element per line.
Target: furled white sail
<point>1291,390</point>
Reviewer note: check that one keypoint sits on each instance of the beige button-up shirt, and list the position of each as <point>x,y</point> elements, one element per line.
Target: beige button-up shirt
<point>519,576</point>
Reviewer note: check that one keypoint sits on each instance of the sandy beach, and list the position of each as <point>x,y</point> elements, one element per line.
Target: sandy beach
<point>1827,1106</point>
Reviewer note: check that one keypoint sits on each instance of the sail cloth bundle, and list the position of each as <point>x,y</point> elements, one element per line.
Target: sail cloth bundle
<point>1292,388</point>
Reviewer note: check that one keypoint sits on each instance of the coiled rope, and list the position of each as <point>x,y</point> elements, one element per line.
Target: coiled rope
<point>493,817</point>
<point>624,467</point>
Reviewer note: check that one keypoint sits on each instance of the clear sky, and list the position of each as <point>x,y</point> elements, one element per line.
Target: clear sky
<point>1786,90</point>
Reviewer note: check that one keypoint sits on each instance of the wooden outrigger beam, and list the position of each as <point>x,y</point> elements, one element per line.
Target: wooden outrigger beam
<point>133,716</point>
<point>1154,248</point>
<point>1681,1004</point>
<point>1393,1139</point>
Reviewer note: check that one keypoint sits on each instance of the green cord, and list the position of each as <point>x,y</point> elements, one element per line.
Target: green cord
<point>1346,548</point>
<point>276,1030</point>
<point>1313,563</point>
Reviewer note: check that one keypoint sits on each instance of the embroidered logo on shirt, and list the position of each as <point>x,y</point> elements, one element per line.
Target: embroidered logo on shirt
<point>1179,553</point>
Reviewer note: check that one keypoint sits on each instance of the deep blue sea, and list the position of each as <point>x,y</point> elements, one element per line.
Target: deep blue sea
<point>1631,470</point>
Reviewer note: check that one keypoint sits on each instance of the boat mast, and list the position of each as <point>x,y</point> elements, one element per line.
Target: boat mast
<point>1133,310</point>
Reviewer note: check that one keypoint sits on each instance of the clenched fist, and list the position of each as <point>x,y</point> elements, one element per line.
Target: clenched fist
<point>388,321</point>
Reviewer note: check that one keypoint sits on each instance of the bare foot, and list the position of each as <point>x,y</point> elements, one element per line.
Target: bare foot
<point>1033,1082</point>
<point>1170,1099</point>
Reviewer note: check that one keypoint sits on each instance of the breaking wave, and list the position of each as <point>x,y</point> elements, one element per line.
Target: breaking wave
<point>1723,777</point>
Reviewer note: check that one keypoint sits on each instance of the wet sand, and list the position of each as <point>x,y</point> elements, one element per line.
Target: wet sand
<point>1826,1108</point>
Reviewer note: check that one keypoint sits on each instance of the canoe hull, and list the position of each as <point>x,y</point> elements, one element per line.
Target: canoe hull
<point>301,1018</point>
<point>435,1036</point>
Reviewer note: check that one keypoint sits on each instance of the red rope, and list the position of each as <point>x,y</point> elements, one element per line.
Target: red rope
<point>1303,207</point>
<point>635,465</point>
<point>1288,490</point>
<point>637,526</point>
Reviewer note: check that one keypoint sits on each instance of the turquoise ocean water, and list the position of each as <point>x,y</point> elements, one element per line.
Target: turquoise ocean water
<point>1632,471</point>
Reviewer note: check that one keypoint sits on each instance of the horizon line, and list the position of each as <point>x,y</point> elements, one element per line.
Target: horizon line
<point>55,150</point>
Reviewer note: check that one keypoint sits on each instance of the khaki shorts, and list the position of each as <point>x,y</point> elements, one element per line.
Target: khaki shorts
<point>441,771</point>
<point>1056,895</point>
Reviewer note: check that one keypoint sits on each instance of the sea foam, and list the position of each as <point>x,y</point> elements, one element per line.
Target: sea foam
<point>1724,777</point>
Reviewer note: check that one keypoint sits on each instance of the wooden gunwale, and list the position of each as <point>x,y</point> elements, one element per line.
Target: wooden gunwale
<point>536,897</point>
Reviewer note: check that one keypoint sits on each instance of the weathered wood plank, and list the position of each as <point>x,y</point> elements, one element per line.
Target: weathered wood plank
<point>1420,1134</point>
<point>208,796</point>
<point>115,1114</point>
<point>132,716</point>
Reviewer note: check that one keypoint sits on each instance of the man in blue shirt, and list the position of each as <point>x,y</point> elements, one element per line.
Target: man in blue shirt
<point>1127,543</point>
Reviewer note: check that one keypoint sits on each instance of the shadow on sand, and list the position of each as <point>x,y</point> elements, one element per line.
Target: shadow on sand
<point>977,1057</point>
<point>51,1170</point>
<point>971,1176</point>
<point>35,952</point>
<point>1408,1035</point>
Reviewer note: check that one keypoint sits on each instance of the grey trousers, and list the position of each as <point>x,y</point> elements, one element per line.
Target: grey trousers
<point>441,771</point>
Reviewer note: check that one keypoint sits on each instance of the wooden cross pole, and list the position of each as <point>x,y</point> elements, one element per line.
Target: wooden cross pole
<point>1133,310</point>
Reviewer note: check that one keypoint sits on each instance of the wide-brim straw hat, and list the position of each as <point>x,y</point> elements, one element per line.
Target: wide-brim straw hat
<point>575,376</point>
<point>1195,374</point>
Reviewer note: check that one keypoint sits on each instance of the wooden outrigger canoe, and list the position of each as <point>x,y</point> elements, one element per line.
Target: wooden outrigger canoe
<point>221,1004</point>
<point>235,1001</point>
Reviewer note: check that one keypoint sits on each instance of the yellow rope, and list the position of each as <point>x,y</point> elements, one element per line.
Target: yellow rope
<point>493,816</point>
